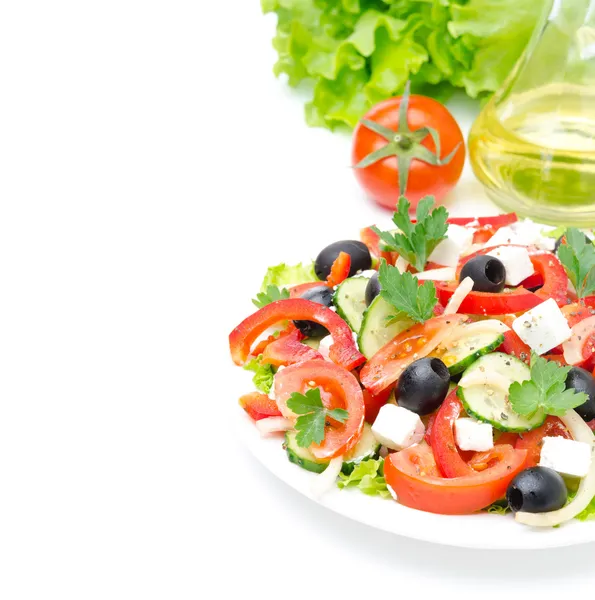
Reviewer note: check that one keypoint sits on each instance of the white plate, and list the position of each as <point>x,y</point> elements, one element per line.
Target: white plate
<point>487,531</point>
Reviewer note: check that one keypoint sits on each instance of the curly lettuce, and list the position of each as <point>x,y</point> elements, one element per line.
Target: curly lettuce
<point>355,53</point>
<point>288,275</point>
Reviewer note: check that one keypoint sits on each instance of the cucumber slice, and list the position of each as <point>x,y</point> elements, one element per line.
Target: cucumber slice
<point>375,331</point>
<point>468,349</point>
<point>366,448</point>
<point>489,402</point>
<point>350,300</point>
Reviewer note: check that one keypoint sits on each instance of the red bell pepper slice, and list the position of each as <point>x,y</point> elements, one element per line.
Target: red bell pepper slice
<point>495,222</point>
<point>555,280</point>
<point>386,366</point>
<point>373,404</point>
<point>371,239</point>
<point>288,350</point>
<point>413,475</point>
<point>514,346</point>
<point>343,351</point>
<point>259,406</point>
<point>339,270</point>
<point>442,439</point>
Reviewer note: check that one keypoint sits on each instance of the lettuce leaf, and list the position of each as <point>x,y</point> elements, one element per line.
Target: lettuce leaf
<point>264,374</point>
<point>368,477</point>
<point>287,275</point>
<point>355,53</point>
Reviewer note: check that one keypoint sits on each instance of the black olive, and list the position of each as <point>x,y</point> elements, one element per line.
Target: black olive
<point>372,289</point>
<point>559,241</point>
<point>423,385</point>
<point>488,273</point>
<point>360,258</point>
<point>537,490</point>
<point>321,295</point>
<point>582,381</point>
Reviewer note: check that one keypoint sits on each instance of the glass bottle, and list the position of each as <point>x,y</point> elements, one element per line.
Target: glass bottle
<point>533,145</point>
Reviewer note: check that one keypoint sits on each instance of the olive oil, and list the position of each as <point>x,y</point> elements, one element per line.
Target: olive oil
<point>535,153</point>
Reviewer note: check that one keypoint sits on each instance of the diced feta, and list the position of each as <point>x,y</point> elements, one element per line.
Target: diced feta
<point>367,273</point>
<point>448,251</point>
<point>516,261</point>
<point>398,428</point>
<point>473,435</point>
<point>566,456</point>
<point>524,233</point>
<point>543,327</point>
<point>325,344</point>
<point>504,235</point>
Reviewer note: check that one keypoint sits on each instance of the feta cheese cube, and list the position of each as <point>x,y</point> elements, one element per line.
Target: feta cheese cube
<point>325,344</point>
<point>368,273</point>
<point>398,428</point>
<point>473,435</point>
<point>524,233</point>
<point>543,327</point>
<point>566,456</point>
<point>448,251</point>
<point>516,261</point>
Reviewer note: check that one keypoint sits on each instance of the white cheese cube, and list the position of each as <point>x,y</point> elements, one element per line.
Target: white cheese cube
<point>448,251</point>
<point>524,233</point>
<point>543,327</point>
<point>566,456</point>
<point>504,235</point>
<point>473,435</point>
<point>516,261</point>
<point>397,428</point>
<point>325,344</point>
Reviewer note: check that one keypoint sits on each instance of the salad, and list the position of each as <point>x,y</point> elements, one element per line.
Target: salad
<point>446,363</point>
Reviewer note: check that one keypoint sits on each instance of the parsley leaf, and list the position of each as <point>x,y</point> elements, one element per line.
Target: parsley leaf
<point>546,390</point>
<point>310,425</point>
<point>368,477</point>
<point>403,292</point>
<point>416,242</point>
<point>272,294</point>
<point>577,256</point>
<point>264,374</point>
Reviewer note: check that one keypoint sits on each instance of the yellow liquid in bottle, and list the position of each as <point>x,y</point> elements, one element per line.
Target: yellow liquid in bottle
<point>535,153</point>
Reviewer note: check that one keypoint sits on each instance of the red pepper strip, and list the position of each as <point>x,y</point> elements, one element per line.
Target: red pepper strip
<point>559,358</point>
<point>373,404</point>
<point>555,280</point>
<point>484,303</point>
<point>343,351</point>
<point>442,439</point>
<point>514,346</point>
<point>494,222</point>
<point>259,348</point>
<point>259,406</point>
<point>371,240</point>
<point>289,350</point>
<point>339,270</point>
<point>533,281</point>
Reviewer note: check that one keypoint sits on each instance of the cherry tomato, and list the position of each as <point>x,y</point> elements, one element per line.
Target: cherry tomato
<point>288,350</point>
<point>340,389</point>
<point>381,180</point>
<point>259,406</point>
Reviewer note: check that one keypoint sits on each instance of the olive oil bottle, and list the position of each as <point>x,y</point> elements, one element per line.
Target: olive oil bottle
<point>533,145</point>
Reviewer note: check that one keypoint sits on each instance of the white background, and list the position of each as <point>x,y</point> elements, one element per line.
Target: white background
<point>150,168</point>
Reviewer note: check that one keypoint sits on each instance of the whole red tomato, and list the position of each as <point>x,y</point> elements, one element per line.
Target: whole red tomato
<point>384,180</point>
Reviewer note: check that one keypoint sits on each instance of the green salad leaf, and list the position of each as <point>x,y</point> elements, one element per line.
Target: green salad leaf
<point>368,477</point>
<point>272,294</point>
<point>288,275</point>
<point>355,53</point>
<point>264,374</point>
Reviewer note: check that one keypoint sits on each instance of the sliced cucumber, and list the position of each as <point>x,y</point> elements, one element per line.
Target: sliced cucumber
<point>467,349</point>
<point>350,300</point>
<point>377,330</point>
<point>366,448</point>
<point>489,403</point>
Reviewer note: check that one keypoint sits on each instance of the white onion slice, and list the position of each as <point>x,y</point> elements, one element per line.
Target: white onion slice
<point>326,480</point>
<point>401,264</point>
<point>459,295</point>
<point>573,348</point>
<point>581,432</point>
<point>273,425</point>
<point>444,274</point>
<point>490,378</point>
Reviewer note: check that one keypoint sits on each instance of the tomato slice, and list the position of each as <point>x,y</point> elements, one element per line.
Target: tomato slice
<point>514,346</point>
<point>259,406</point>
<point>259,348</point>
<point>443,442</point>
<point>343,351</point>
<point>388,363</point>
<point>339,269</point>
<point>340,389</point>
<point>413,475</point>
<point>288,350</point>
<point>531,441</point>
